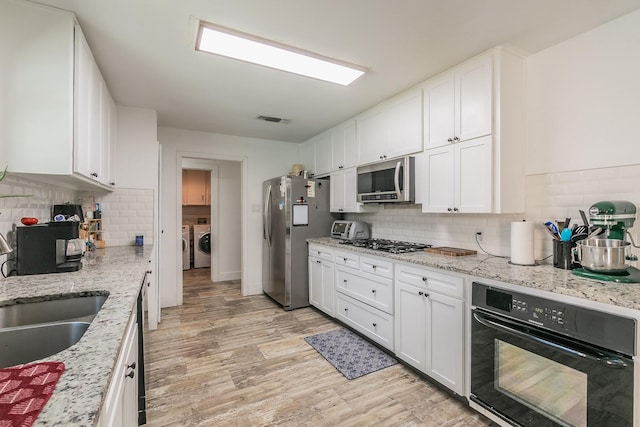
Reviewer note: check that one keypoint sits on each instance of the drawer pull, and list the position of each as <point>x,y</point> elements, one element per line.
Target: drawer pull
<point>420,293</point>
<point>344,259</point>
<point>426,295</point>
<point>131,374</point>
<point>317,262</point>
<point>424,279</point>
<point>373,290</point>
<point>132,366</point>
<point>345,280</point>
<point>374,325</point>
<point>374,266</point>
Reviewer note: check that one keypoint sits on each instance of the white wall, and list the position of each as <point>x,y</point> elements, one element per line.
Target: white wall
<point>583,108</point>
<point>137,148</point>
<point>262,159</point>
<point>229,220</point>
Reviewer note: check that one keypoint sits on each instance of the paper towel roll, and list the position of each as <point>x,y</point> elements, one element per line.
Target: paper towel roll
<point>522,243</point>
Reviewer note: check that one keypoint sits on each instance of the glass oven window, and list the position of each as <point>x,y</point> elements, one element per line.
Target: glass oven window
<point>558,391</point>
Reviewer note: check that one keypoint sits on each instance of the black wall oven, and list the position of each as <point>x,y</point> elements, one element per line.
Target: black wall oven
<point>539,362</point>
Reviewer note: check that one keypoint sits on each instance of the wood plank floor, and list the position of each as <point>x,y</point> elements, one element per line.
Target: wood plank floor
<point>226,360</point>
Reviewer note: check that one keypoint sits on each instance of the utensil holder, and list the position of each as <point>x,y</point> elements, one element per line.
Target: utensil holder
<point>562,255</point>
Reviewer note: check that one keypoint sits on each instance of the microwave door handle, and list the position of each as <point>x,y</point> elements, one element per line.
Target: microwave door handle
<point>609,361</point>
<point>396,177</point>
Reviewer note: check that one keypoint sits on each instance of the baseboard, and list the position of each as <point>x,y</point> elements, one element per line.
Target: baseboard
<point>229,275</point>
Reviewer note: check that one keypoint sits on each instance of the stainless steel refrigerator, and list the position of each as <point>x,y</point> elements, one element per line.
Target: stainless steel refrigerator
<point>294,210</point>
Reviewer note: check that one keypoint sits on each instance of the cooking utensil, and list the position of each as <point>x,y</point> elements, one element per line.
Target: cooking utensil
<point>607,256</point>
<point>595,232</point>
<point>565,235</point>
<point>585,221</point>
<point>553,229</point>
<point>578,236</point>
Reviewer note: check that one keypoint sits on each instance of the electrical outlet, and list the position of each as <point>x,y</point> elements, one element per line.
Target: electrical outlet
<point>479,236</point>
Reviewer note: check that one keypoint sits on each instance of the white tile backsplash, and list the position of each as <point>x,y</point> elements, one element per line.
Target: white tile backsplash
<point>125,212</point>
<point>548,196</point>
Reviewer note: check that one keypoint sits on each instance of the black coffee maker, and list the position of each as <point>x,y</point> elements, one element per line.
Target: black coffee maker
<point>44,248</point>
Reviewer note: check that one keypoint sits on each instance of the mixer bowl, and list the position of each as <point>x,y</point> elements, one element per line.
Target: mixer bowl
<point>607,256</point>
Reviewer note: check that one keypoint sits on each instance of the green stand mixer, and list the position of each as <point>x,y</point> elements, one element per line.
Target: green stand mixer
<point>607,254</point>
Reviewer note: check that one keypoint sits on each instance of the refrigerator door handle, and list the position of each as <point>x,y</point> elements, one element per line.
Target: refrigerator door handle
<point>266,217</point>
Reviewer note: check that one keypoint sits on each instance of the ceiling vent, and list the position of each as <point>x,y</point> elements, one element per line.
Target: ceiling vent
<point>274,119</point>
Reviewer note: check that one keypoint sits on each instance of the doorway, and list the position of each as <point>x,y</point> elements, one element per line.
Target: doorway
<point>211,210</point>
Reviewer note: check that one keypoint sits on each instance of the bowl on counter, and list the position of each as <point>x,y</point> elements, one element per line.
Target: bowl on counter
<point>608,256</point>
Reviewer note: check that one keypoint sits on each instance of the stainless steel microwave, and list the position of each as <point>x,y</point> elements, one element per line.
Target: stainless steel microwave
<point>391,181</point>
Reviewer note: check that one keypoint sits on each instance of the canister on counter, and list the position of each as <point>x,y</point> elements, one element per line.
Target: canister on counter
<point>139,240</point>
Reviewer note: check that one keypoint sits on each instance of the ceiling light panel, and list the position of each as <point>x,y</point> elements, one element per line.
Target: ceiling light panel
<point>233,44</point>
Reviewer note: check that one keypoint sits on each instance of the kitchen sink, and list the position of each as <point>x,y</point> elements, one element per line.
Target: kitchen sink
<point>82,308</point>
<point>25,344</point>
<point>34,330</point>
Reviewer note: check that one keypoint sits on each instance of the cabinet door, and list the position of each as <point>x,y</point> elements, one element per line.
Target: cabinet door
<point>196,187</point>
<point>343,146</point>
<point>474,114</point>
<point>323,153</point>
<point>336,193</point>
<point>371,136</point>
<point>411,325</point>
<point>404,125</point>
<point>350,178</point>
<point>473,175</point>
<point>307,155</point>
<point>108,126</point>
<point>439,112</point>
<point>315,282</point>
<point>87,141</point>
<point>321,285</point>
<point>437,191</point>
<point>445,336</point>
<point>328,287</point>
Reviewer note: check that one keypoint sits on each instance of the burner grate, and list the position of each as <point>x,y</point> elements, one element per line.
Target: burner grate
<point>385,245</point>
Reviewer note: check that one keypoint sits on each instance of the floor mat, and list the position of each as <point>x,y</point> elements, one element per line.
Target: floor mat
<point>25,389</point>
<point>350,354</point>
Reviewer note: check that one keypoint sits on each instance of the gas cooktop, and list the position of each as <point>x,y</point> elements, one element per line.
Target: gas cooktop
<point>391,246</point>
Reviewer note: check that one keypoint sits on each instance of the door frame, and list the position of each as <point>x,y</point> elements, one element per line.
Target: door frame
<point>210,159</point>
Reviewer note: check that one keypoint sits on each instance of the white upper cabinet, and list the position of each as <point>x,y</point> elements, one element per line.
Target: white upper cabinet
<point>392,129</point>
<point>344,192</point>
<point>307,155</point>
<point>343,146</point>
<point>474,137</point>
<point>323,153</point>
<point>458,104</point>
<point>53,118</point>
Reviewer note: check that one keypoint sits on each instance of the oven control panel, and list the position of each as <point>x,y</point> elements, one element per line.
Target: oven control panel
<point>554,315</point>
<point>605,329</point>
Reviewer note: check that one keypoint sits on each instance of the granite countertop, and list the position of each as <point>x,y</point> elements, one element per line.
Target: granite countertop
<point>542,277</point>
<point>119,271</point>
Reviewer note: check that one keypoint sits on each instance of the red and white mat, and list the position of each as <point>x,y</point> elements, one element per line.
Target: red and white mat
<point>24,390</point>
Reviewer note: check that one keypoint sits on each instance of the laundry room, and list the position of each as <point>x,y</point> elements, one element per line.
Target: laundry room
<point>211,201</point>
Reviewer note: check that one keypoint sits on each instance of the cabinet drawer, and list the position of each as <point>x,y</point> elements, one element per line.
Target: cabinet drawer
<point>347,259</point>
<point>377,266</point>
<point>372,323</point>
<point>374,291</point>
<point>444,284</point>
<point>321,252</point>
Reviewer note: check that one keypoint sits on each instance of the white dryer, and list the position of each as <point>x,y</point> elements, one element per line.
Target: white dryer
<point>186,247</point>
<point>201,245</point>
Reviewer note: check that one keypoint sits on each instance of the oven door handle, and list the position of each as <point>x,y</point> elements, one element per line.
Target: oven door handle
<point>609,361</point>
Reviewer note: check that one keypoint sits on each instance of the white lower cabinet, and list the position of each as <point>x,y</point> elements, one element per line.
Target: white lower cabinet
<point>321,278</point>
<point>418,313</point>
<point>370,322</point>
<point>120,407</point>
<point>429,323</point>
